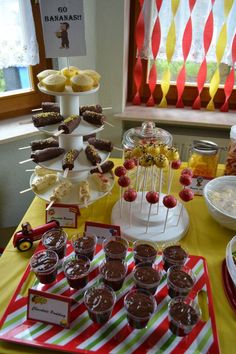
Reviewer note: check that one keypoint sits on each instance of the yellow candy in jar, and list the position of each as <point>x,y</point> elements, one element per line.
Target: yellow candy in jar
<point>172,154</point>
<point>146,160</point>
<point>153,149</point>
<point>161,161</point>
<point>203,165</point>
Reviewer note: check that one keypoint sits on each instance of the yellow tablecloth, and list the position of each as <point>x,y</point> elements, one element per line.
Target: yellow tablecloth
<point>205,237</point>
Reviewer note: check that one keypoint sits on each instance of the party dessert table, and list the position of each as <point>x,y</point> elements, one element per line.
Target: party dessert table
<point>205,238</point>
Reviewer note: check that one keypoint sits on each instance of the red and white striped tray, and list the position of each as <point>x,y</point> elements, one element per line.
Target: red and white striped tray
<point>84,336</point>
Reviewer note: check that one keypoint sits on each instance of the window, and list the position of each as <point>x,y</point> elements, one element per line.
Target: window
<point>193,49</point>
<point>18,85</point>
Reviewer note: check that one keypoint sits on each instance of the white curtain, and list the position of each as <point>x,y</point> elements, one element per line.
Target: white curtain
<point>199,16</point>
<point>18,43</point>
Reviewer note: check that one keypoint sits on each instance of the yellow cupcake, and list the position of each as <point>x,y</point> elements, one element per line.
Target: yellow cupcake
<point>46,73</point>
<point>95,76</point>
<point>81,82</point>
<point>55,82</point>
<point>69,73</point>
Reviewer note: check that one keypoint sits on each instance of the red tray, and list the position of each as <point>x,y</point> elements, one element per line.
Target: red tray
<point>229,287</point>
<point>115,336</point>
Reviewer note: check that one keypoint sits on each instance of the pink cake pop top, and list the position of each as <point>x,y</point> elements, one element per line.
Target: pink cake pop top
<point>176,164</point>
<point>169,201</point>
<point>130,195</point>
<point>124,181</point>
<point>187,171</point>
<point>129,164</point>
<point>185,180</point>
<point>152,197</point>
<point>186,194</point>
<point>120,171</point>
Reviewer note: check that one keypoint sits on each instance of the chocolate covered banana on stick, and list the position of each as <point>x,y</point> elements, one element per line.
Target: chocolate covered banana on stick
<point>94,118</point>
<point>68,160</point>
<point>104,168</point>
<point>92,108</point>
<point>101,144</point>
<point>50,107</point>
<point>46,154</point>
<point>46,118</point>
<point>92,155</point>
<point>41,144</point>
<point>69,124</point>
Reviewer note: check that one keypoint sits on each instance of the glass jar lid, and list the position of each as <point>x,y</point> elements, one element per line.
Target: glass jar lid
<point>147,133</point>
<point>205,147</point>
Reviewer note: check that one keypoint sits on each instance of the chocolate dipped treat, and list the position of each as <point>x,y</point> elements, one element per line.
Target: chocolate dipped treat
<point>69,124</point>
<point>93,108</point>
<point>92,155</point>
<point>69,158</point>
<point>44,265</point>
<point>44,143</point>
<point>113,273</point>
<point>173,255</point>
<point>105,167</point>
<point>180,281</point>
<point>94,118</point>
<point>50,107</point>
<point>115,248</point>
<point>183,315</point>
<point>144,251</point>
<point>46,154</point>
<point>84,245</point>
<point>55,239</point>
<point>101,144</point>
<point>46,118</point>
<point>99,301</point>
<point>147,277</point>
<point>139,305</point>
<point>76,271</point>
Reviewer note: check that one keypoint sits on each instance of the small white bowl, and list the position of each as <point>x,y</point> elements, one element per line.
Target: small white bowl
<point>231,266</point>
<point>220,198</point>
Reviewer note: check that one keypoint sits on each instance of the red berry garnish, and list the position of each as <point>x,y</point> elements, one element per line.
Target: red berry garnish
<point>130,195</point>
<point>120,171</point>
<point>187,171</point>
<point>185,180</point>
<point>124,181</point>
<point>152,197</point>
<point>176,164</point>
<point>129,164</point>
<point>169,201</point>
<point>186,194</point>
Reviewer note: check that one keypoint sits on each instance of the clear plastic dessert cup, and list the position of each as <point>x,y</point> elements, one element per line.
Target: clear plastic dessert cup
<point>180,281</point>
<point>44,265</point>
<point>147,277</point>
<point>55,240</point>
<point>84,244</point>
<point>173,254</point>
<point>76,270</point>
<point>144,251</point>
<point>140,306</point>
<point>113,273</point>
<point>115,248</point>
<point>183,314</point>
<point>99,301</point>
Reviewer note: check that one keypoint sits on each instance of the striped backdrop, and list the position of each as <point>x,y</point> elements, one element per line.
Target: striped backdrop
<point>115,336</point>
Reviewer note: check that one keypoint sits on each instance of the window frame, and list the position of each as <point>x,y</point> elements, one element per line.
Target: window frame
<point>190,92</point>
<point>17,104</point>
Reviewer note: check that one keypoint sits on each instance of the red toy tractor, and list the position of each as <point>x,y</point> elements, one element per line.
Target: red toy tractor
<point>23,240</point>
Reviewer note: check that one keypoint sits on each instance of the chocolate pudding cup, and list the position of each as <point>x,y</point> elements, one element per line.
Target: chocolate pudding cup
<point>180,281</point>
<point>44,265</point>
<point>55,240</point>
<point>140,306</point>
<point>173,255</point>
<point>147,277</point>
<point>99,301</point>
<point>144,251</point>
<point>115,248</point>
<point>84,244</point>
<point>76,270</point>
<point>113,273</point>
<point>183,315</point>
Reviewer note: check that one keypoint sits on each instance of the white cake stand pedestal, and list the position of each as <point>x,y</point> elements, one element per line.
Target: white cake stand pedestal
<point>134,226</point>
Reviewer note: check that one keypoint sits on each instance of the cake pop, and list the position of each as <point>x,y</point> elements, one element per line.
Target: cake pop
<point>186,195</point>
<point>174,165</point>
<point>187,171</point>
<point>120,171</point>
<point>152,198</point>
<point>169,202</point>
<point>130,196</point>
<point>185,179</point>
<point>129,164</point>
<point>124,181</point>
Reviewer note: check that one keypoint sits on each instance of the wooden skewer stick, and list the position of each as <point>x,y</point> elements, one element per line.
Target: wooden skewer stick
<point>59,132</point>
<point>24,147</point>
<point>111,125</point>
<point>28,160</point>
<point>26,190</point>
<point>99,168</point>
<point>26,121</point>
<point>106,108</point>
<point>65,174</point>
<point>50,205</point>
<point>167,212</point>
<point>36,109</point>
<point>118,149</point>
<point>30,170</point>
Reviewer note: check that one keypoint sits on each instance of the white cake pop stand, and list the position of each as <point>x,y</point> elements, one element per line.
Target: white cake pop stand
<point>134,228</point>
